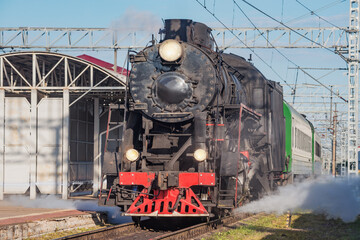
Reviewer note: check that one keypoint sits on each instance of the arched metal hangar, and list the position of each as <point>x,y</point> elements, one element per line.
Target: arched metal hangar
<point>51,108</point>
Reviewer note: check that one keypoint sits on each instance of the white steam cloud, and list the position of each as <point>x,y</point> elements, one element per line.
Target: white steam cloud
<point>53,202</point>
<point>134,20</point>
<point>334,197</point>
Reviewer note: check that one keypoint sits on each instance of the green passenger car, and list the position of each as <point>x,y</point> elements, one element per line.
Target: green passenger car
<point>302,145</point>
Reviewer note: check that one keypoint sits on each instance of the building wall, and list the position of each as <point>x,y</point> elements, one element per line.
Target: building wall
<point>18,141</point>
<point>16,145</point>
<point>49,145</point>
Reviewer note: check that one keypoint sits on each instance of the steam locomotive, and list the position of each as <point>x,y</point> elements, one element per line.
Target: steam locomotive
<point>205,131</point>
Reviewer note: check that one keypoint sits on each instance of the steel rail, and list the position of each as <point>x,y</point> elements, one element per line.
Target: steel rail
<point>103,233</point>
<point>122,231</point>
<point>202,228</point>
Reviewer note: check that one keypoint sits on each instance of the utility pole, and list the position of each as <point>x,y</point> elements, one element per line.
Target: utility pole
<point>334,130</point>
<point>343,151</point>
<point>331,103</point>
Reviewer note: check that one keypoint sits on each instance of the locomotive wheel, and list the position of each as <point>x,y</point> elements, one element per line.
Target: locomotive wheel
<point>205,219</point>
<point>136,220</point>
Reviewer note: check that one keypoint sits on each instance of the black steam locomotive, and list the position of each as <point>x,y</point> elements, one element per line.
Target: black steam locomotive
<point>204,130</point>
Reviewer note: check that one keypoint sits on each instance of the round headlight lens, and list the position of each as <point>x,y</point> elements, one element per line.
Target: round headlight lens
<point>170,50</point>
<point>200,155</point>
<point>132,155</point>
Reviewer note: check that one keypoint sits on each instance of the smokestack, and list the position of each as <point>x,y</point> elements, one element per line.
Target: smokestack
<point>188,31</point>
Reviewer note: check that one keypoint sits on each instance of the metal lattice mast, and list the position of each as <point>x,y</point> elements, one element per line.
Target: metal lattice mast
<point>343,152</point>
<point>353,106</point>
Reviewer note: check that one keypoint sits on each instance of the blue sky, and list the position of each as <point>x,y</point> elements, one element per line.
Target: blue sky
<point>107,13</point>
<point>92,13</point>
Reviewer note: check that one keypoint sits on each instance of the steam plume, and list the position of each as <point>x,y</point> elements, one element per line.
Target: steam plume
<point>53,202</point>
<point>334,197</point>
<point>134,20</point>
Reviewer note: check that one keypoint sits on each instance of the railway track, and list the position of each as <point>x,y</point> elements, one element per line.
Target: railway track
<point>203,228</point>
<point>156,230</point>
<point>112,232</point>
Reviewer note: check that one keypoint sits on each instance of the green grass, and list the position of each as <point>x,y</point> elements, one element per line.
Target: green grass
<point>64,233</point>
<point>303,226</point>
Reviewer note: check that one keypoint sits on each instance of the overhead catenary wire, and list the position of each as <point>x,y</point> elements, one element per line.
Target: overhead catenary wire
<point>288,27</point>
<point>317,10</point>
<point>332,4</point>
<point>233,16</point>
<point>282,10</point>
<point>252,50</point>
<point>283,55</point>
<point>313,13</point>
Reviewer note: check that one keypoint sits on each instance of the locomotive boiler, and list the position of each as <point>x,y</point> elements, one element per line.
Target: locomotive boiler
<point>204,130</point>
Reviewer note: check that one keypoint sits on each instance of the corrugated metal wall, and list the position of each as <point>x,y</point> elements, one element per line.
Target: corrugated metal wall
<point>17,141</point>
<point>49,145</point>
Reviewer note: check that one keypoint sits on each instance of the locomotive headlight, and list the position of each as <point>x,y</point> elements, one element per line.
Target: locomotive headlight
<point>132,155</point>
<point>170,50</point>
<point>200,155</point>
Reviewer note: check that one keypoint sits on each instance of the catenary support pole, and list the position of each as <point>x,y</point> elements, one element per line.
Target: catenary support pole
<point>65,143</point>
<point>33,151</point>
<point>33,132</point>
<point>66,137</point>
<point>334,143</point>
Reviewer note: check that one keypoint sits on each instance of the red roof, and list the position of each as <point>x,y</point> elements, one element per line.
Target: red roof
<point>104,64</point>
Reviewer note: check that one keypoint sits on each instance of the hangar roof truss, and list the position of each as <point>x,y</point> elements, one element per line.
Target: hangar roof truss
<point>51,73</point>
